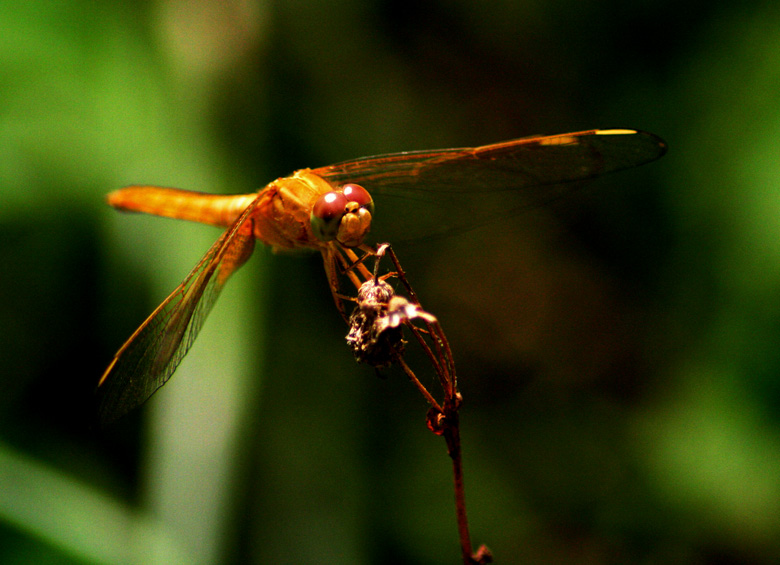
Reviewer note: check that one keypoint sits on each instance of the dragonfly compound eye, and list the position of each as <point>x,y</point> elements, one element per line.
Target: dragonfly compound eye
<point>357,220</point>
<point>356,193</point>
<point>326,215</point>
<point>344,215</point>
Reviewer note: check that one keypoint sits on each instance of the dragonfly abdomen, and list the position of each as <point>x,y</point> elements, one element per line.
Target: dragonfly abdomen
<point>214,209</point>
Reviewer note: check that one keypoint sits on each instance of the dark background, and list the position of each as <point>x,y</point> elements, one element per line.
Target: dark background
<point>617,352</point>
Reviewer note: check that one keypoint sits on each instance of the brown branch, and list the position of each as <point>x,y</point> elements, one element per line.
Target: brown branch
<point>375,338</point>
<point>424,391</point>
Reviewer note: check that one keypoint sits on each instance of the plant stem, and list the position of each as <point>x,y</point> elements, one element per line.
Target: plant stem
<point>452,437</point>
<point>443,419</point>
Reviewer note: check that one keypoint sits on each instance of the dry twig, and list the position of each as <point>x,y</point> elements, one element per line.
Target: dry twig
<point>376,338</point>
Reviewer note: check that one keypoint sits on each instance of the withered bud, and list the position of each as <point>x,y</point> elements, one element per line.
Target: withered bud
<point>375,333</point>
<point>399,309</point>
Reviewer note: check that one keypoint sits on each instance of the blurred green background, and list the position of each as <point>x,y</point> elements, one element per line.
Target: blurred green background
<point>618,352</point>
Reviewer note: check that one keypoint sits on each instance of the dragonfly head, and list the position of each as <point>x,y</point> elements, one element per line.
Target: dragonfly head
<point>343,215</point>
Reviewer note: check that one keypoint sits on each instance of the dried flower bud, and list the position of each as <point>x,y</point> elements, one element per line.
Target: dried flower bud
<point>375,333</point>
<point>399,310</point>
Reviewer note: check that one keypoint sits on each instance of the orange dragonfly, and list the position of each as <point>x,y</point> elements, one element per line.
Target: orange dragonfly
<point>330,209</point>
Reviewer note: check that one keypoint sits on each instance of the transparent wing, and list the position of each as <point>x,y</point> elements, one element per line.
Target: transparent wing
<point>469,186</point>
<point>150,356</point>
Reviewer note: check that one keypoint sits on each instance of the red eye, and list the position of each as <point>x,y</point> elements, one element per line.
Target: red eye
<point>326,215</point>
<point>356,193</point>
<point>330,205</point>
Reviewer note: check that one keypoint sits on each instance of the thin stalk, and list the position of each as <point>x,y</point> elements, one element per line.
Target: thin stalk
<point>424,391</point>
<point>452,437</point>
<point>443,419</point>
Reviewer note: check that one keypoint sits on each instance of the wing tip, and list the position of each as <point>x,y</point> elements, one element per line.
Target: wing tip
<point>617,131</point>
<point>662,145</point>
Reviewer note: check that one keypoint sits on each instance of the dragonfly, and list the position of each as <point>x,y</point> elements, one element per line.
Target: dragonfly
<point>331,210</point>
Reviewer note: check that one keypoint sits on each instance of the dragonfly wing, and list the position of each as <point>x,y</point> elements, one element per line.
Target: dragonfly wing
<point>150,356</point>
<point>528,172</point>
